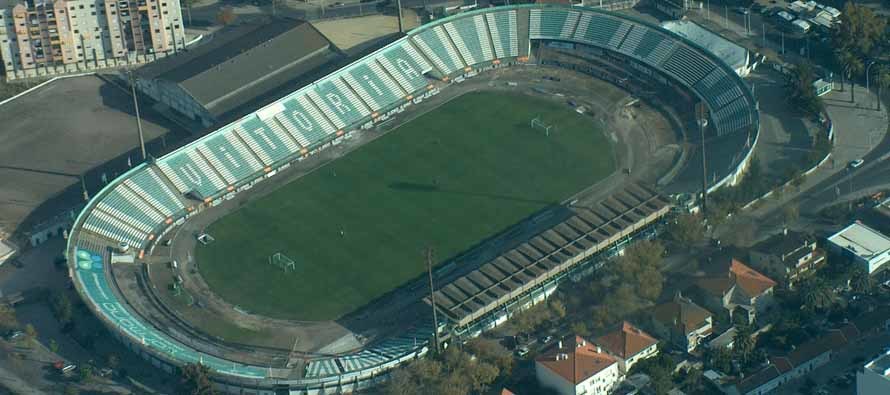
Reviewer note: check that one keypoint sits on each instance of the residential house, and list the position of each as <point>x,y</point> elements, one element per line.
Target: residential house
<point>683,322</point>
<point>575,366</point>
<point>797,363</point>
<point>787,256</point>
<point>628,344</point>
<point>737,288</point>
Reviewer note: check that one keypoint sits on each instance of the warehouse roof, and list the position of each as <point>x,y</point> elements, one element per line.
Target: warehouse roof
<point>861,240</point>
<point>243,62</point>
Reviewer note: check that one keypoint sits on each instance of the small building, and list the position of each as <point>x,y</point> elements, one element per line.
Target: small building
<point>239,66</point>
<point>725,340</point>
<point>677,8</point>
<point>735,55</point>
<point>862,245</point>
<point>628,344</point>
<point>737,288</point>
<point>685,323</point>
<point>576,367</point>
<point>787,257</point>
<point>875,376</point>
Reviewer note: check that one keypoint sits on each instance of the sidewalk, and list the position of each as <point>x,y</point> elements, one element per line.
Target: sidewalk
<point>858,128</point>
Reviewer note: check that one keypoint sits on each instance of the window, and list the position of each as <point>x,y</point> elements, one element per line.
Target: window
<point>93,13</point>
<point>76,31</point>
<point>81,6</point>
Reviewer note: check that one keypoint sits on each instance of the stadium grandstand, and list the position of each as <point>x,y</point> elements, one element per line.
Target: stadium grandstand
<point>132,213</point>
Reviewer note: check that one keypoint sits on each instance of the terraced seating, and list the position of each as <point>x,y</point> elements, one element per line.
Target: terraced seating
<point>502,26</point>
<point>322,367</point>
<point>397,347</point>
<point>304,121</point>
<point>406,65</point>
<point>434,43</point>
<point>654,48</point>
<point>483,37</point>
<point>601,30</point>
<point>373,85</point>
<point>718,88</point>
<point>552,23</point>
<point>126,218</point>
<point>229,156</point>
<point>115,229</point>
<point>261,136</point>
<point>189,172</point>
<point>337,102</point>
<point>735,116</point>
<point>360,361</point>
<point>121,200</point>
<point>148,185</point>
<point>687,65</point>
<point>468,40</point>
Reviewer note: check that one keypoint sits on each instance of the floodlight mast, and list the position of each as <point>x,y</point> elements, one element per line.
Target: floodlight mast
<point>429,270</point>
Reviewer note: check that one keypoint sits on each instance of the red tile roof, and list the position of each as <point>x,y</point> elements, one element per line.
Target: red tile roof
<point>576,361</point>
<point>682,313</point>
<point>625,340</point>
<point>750,280</point>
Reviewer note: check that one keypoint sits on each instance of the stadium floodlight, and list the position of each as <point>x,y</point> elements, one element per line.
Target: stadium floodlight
<point>283,262</point>
<point>537,123</point>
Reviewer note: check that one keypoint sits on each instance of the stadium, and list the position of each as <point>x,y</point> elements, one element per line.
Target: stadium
<point>315,213</point>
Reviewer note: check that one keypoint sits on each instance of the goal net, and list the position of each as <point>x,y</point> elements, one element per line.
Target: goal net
<point>282,262</point>
<point>538,123</point>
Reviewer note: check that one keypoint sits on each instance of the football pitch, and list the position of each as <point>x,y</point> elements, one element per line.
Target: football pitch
<point>357,227</point>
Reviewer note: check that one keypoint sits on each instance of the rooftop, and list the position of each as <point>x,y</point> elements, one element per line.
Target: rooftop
<point>784,243</point>
<point>739,275</point>
<point>625,340</point>
<point>733,54</point>
<point>243,62</point>
<point>683,313</point>
<point>575,360</point>
<point>861,240</point>
<point>880,365</point>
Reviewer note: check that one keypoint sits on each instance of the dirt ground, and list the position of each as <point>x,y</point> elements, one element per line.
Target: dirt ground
<point>639,135</point>
<point>347,33</point>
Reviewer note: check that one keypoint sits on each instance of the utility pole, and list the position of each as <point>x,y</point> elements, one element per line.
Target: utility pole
<point>399,5</point>
<point>429,271</point>
<point>138,118</point>
<point>700,118</point>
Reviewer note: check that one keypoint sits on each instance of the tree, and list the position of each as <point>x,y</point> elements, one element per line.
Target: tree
<point>114,361</point>
<point>71,390</point>
<point>860,31</point>
<point>852,65</point>
<point>226,16</point>
<point>860,281</point>
<point>743,344</point>
<point>53,346</point>
<point>801,93</point>
<point>790,213</point>
<point>688,229</point>
<point>61,307</point>
<point>30,332</point>
<point>640,268</point>
<point>816,294</point>
<point>558,308</point>
<point>719,359</point>
<point>490,351</point>
<point>692,380</point>
<point>85,373</point>
<point>195,380</point>
<point>8,319</point>
<point>882,78</point>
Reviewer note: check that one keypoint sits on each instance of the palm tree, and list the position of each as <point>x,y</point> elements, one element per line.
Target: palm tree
<point>860,281</point>
<point>852,66</point>
<point>816,294</point>
<point>743,343</point>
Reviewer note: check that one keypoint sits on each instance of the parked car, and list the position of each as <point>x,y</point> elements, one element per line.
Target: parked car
<point>522,351</point>
<point>856,163</point>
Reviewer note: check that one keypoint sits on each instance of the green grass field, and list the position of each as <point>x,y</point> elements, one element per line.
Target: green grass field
<point>448,179</point>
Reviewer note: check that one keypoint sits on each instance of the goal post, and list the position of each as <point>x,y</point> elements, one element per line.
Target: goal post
<point>540,124</point>
<point>283,262</point>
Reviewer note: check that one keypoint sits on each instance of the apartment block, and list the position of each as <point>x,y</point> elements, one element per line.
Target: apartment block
<point>43,38</point>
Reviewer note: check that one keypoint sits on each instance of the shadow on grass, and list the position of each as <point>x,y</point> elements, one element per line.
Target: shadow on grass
<point>419,187</point>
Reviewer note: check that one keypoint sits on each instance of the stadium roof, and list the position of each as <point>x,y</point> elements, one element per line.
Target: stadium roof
<point>243,63</point>
<point>587,231</point>
<point>733,54</point>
